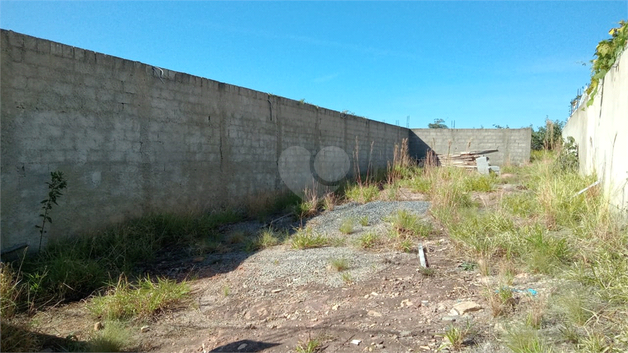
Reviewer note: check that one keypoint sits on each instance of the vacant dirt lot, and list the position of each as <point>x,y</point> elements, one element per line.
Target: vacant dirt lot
<point>280,298</point>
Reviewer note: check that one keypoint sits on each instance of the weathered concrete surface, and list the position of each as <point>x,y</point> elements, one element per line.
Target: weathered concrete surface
<point>133,139</point>
<point>601,133</point>
<point>513,145</point>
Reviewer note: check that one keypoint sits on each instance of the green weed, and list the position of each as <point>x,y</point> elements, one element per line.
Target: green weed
<point>408,224</point>
<point>455,336</point>
<point>339,264</point>
<point>347,226</point>
<point>141,300</point>
<point>346,277</point>
<point>364,221</point>
<point>114,337</point>
<point>479,182</point>
<point>526,340</point>
<point>268,238</point>
<point>368,240</point>
<point>309,346</point>
<point>307,238</point>
<point>362,193</point>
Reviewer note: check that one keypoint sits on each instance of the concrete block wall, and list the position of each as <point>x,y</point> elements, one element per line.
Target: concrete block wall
<point>601,133</point>
<point>513,145</point>
<point>133,139</point>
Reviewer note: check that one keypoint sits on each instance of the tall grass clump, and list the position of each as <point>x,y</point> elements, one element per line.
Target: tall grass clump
<point>448,187</point>
<point>402,166</point>
<point>408,224</point>
<point>307,239</point>
<point>130,301</point>
<point>73,268</point>
<point>309,205</point>
<point>362,193</point>
<point>9,291</point>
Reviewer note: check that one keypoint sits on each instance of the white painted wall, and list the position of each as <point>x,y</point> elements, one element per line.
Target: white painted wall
<point>601,132</point>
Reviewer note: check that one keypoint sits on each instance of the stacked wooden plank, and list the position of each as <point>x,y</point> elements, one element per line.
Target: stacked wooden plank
<point>462,159</point>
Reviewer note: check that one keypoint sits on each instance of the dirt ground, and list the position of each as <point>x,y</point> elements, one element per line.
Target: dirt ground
<point>240,304</point>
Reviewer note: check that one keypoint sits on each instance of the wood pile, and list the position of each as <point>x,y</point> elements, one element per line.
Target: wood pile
<point>462,160</point>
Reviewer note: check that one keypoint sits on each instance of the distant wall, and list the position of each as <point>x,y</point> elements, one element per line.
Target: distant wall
<point>513,145</point>
<point>601,133</point>
<point>133,139</point>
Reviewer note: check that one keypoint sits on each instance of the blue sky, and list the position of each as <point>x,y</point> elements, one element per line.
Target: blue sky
<point>475,63</point>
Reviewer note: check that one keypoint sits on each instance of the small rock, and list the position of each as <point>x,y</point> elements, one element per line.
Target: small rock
<point>144,329</point>
<point>405,333</point>
<point>335,307</point>
<point>373,313</point>
<point>450,318</point>
<point>406,302</point>
<point>277,290</point>
<point>380,346</point>
<point>242,346</point>
<point>466,307</point>
<point>356,342</point>
<point>98,326</point>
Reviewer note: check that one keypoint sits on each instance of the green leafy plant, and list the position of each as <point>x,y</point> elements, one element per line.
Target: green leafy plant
<point>55,185</point>
<point>606,53</point>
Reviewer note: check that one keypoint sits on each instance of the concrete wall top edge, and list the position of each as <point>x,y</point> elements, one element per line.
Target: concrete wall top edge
<point>456,129</point>
<point>20,40</point>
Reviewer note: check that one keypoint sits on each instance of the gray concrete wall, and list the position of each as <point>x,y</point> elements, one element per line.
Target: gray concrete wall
<point>132,140</point>
<point>601,133</point>
<point>513,145</point>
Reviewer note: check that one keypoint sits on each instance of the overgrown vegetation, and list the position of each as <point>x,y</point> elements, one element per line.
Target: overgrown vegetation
<point>547,137</point>
<point>606,54</point>
<point>553,229</point>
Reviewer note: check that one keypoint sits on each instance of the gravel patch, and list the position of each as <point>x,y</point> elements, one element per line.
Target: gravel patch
<point>376,212</point>
<point>283,266</point>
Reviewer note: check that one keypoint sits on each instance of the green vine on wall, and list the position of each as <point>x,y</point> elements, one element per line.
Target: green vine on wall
<point>606,52</point>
